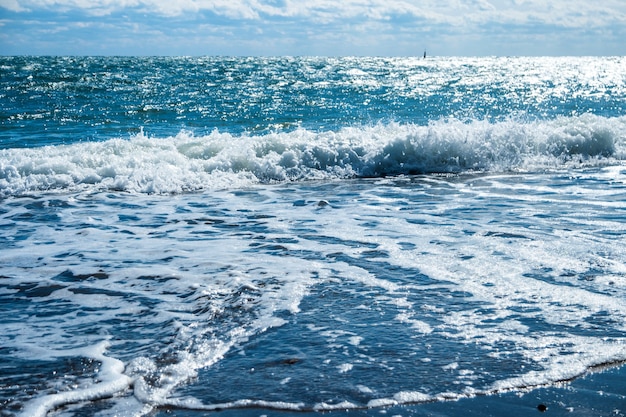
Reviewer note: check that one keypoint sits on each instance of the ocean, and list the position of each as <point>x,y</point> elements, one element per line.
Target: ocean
<point>358,236</point>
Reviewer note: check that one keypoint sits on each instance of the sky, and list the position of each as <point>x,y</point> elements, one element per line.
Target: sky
<point>313,27</point>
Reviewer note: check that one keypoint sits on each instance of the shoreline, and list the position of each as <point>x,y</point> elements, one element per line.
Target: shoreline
<point>600,391</point>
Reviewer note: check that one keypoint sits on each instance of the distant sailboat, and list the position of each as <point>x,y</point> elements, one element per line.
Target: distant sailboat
<point>424,54</point>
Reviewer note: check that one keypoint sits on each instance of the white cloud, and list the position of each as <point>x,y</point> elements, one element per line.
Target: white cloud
<point>566,13</point>
<point>12,5</point>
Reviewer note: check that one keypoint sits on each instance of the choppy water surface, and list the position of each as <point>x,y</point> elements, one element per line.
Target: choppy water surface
<point>306,234</point>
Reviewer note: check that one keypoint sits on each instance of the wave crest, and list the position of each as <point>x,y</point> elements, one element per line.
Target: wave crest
<point>222,160</point>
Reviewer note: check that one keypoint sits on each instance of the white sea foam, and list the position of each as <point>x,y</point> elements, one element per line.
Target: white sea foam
<point>483,267</point>
<point>345,367</point>
<point>222,160</point>
<point>311,295</point>
<point>111,381</point>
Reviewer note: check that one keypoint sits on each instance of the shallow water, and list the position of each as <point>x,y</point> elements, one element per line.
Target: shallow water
<point>321,295</point>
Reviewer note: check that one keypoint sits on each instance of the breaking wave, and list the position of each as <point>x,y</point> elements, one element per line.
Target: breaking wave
<point>186,162</point>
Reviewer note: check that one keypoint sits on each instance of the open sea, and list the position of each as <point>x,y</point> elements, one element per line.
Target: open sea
<point>183,236</point>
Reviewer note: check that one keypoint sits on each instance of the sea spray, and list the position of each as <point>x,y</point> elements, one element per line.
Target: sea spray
<point>187,162</point>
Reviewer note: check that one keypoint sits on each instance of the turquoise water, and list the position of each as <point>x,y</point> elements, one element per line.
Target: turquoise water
<point>267,235</point>
<point>55,100</point>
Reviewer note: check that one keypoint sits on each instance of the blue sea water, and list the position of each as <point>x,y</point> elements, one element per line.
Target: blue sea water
<point>273,235</point>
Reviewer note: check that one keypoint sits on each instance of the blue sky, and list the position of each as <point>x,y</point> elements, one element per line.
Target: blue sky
<point>313,27</point>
